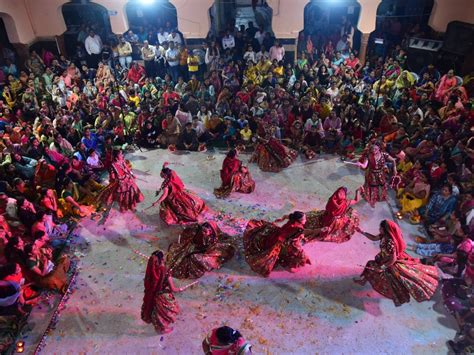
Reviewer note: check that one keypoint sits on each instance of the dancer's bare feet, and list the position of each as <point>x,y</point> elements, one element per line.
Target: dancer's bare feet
<point>166,331</point>
<point>359,280</point>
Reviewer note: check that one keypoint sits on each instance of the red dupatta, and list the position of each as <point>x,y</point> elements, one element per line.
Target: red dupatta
<point>229,167</point>
<point>174,182</point>
<point>155,277</point>
<point>288,229</point>
<point>336,205</point>
<point>395,233</point>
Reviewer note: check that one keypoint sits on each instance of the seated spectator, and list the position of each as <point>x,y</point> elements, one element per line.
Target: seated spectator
<point>439,207</point>
<point>188,139</point>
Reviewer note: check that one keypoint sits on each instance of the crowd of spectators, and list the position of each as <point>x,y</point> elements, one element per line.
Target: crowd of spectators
<point>60,119</point>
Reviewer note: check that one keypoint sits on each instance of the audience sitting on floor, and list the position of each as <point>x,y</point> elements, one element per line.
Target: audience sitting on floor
<point>60,120</point>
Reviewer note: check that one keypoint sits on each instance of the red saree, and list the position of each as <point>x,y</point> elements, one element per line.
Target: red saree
<point>266,245</point>
<point>235,178</point>
<point>198,253</point>
<point>273,156</point>
<point>122,187</point>
<point>405,277</point>
<point>180,206</point>
<point>159,305</point>
<point>45,175</point>
<point>341,220</point>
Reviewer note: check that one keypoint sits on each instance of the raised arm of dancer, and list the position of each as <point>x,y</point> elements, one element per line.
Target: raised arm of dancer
<point>372,237</point>
<point>281,219</point>
<point>162,197</point>
<point>172,285</point>
<point>357,198</point>
<point>179,289</point>
<point>363,164</point>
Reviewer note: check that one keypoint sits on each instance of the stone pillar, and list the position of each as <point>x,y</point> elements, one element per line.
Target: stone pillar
<point>364,42</point>
<point>61,44</point>
<point>366,24</point>
<point>368,15</point>
<point>117,14</point>
<point>193,17</point>
<point>288,17</point>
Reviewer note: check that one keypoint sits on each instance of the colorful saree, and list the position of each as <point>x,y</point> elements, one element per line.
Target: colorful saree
<point>403,276</point>
<point>198,252</point>
<point>273,156</point>
<point>266,245</point>
<point>235,178</point>
<point>341,220</point>
<point>180,206</point>
<point>159,305</point>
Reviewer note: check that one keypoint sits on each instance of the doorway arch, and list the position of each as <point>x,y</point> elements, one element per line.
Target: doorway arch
<point>80,15</point>
<point>151,15</point>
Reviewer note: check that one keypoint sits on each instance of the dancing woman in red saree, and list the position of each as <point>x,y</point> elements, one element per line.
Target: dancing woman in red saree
<point>122,187</point>
<point>395,274</point>
<point>271,155</point>
<point>376,174</point>
<point>337,222</point>
<point>159,305</point>
<point>266,244</point>
<point>177,205</point>
<point>235,177</point>
<point>202,248</point>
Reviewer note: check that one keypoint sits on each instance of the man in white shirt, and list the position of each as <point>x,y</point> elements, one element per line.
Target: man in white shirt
<point>260,35</point>
<point>162,36</point>
<point>124,50</point>
<point>175,38</point>
<point>228,41</point>
<point>172,57</point>
<point>148,56</point>
<point>93,45</point>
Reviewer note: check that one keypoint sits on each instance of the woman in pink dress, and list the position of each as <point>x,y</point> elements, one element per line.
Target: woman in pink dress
<point>446,85</point>
<point>374,161</point>
<point>395,274</point>
<point>122,187</point>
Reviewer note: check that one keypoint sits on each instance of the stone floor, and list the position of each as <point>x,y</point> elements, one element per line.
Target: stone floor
<point>316,310</point>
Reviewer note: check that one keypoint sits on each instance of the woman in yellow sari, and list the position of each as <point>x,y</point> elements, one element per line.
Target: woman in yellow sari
<point>250,73</point>
<point>382,87</point>
<point>414,196</point>
<point>405,81</point>
<point>73,203</point>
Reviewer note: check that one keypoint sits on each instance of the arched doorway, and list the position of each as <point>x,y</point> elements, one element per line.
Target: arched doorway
<point>323,21</point>
<point>81,15</point>
<point>226,14</point>
<point>151,15</point>
<point>398,20</point>
<point>7,51</point>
